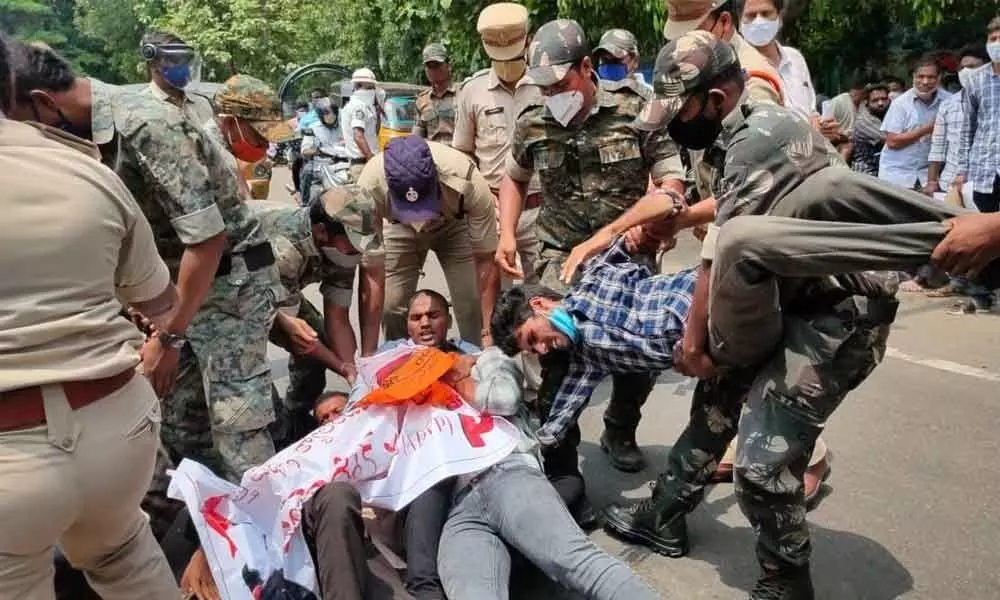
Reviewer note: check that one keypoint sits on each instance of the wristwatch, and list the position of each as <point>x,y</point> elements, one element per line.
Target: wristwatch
<point>170,340</point>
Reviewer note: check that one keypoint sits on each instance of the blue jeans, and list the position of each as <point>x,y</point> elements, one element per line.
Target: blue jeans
<point>514,505</point>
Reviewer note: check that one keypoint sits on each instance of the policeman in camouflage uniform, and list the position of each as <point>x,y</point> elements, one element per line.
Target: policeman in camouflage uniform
<point>322,243</point>
<point>215,347</point>
<point>796,364</point>
<point>436,106</point>
<point>592,165</point>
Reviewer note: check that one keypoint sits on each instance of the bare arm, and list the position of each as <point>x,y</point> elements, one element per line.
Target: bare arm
<point>898,141</point>
<point>159,309</point>
<point>371,293</point>
<point>362,142</point>
<point>194,279</point>
<point>337,322</point>
<point>488,284</point>
<point>512,194</point>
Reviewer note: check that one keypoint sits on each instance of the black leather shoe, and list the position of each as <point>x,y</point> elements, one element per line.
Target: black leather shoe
<point>642,523</point>
<point>585,515</point>
<point>622,450</point>
<point>786,584</point>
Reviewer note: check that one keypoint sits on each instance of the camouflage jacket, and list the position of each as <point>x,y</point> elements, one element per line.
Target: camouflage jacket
<point>184,183</point>
<point>298,258</point>
<point>769,151</point>
<point>436,115</point>
<point>592,173</point>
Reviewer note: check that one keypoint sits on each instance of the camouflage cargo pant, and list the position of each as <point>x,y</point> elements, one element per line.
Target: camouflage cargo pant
<point>629,392</point>
<point>224,385</point>
<point>789,400</point>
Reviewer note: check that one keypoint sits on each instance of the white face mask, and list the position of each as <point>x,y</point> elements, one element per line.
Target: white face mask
<point>894,95</point>
<point>565,106</point>
<point>338,258</point>
<point>993,49</point>
<point>761,32</point>
<point>366,96</point>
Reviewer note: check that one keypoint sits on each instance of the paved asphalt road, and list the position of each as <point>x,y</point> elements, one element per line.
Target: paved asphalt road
<point>909,509</point>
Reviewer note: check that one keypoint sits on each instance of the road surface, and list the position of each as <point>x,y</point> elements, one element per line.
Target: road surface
<point>908,512</point>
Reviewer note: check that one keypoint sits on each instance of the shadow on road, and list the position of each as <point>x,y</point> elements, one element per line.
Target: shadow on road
<point>845,565</point>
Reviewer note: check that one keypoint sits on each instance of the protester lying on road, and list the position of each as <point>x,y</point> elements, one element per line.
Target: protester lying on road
<point>492,514</point>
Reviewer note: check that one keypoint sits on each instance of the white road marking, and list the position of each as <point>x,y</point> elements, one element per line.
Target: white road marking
<point>943,365</point>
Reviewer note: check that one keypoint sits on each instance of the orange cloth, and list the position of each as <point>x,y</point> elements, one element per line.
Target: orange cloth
<point>415,381</point>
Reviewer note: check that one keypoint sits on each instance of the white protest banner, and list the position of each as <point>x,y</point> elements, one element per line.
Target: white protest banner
<point>391,452</point>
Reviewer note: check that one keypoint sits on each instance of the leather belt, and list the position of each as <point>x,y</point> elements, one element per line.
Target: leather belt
<point>256,257</point>
<point>358,161</point>
<point>24,407</point>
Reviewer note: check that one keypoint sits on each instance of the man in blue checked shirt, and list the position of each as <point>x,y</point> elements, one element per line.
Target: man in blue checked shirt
<point>619,318</point>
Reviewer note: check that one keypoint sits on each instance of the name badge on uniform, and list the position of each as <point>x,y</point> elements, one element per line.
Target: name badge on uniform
<point>494,111</point>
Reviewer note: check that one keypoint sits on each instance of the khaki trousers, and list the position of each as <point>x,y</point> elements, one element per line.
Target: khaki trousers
<point>405,253</point>
<point>77,482</point>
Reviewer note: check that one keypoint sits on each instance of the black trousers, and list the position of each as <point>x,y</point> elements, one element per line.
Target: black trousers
<point>988,203</point>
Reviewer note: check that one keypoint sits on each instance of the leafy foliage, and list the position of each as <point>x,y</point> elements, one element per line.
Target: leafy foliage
<point>268,38</point>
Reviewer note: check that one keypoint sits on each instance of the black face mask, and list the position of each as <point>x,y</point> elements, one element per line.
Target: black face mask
<point>697,134</point>
<point>63,123</point>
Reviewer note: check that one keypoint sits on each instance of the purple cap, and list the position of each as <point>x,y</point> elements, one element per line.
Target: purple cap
<point>412,179</point>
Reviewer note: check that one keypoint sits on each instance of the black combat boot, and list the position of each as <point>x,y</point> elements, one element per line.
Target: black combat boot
<point>791,583</point>
<point>650,523</point>
<point>622,450</point>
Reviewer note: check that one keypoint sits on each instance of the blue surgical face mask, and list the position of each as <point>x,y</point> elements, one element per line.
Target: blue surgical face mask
<point>177,76</point>
<point>564,323</point>
<point>612,71</point>
<point>993,49</point>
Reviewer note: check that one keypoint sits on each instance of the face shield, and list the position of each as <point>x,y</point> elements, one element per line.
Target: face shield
<point>179,64</point>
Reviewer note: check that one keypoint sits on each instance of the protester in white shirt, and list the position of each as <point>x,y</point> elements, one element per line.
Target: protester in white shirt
<point>761,24</point>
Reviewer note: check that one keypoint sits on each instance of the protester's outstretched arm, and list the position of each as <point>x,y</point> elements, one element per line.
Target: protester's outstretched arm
<point>666,207</point>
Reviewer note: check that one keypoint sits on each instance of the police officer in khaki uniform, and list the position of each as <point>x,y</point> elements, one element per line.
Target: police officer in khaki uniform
<point>78,428</point>
<point>431,197</point>
<point>436,106</point>
<point>487,109</point>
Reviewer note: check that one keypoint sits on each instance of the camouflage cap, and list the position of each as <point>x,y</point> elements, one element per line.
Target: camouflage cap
<point>684,16</point>
<point>556,46</point>
<point>435,52</point>
<point>684,67</point>
<point>618,43</point>
<point>251,99</point>
<point>354,208</point>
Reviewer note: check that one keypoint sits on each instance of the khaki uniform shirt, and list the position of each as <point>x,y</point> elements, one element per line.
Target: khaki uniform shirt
<point>299,260</point>
<point>465,195</point>
<point>74,246</point>
<point>184,182</point>
<point>484,123</point>
<point>436,115</point>
<point>592,173</point>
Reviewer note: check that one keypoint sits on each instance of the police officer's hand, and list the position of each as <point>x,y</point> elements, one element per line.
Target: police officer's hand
<point>506,257</point>
<point>303,337</point>
<point>197,579</point>
<point>350,373</point>
<point>972,242</point>
<point>693,362</point>
<point>584,252</point>
<point>159,364</point>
